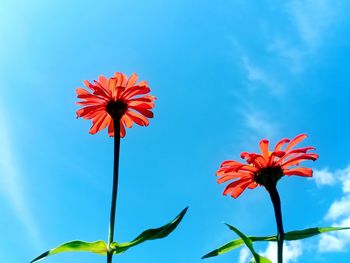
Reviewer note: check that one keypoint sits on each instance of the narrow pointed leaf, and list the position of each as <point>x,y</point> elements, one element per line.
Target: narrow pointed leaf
<point>97,247</point>
<point>292,235</point>
<point>225,248</point>
<point>235,244</point>
<point>261,260</point>
<point>249,243</point>
<point>149,234</point>
<point>310,232</point>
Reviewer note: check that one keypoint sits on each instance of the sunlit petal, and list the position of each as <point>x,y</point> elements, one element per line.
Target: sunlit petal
<point>100,105</point>
<point>265,168</point>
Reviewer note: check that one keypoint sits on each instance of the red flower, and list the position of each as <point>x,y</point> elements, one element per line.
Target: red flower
<point>115,99</point>
<point>266,168</point>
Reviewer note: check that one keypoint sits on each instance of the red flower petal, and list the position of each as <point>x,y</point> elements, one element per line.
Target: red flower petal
<point>89,109</point>
<point>134,91</point>
<point>121,79</point>
<point>137,118</point>
<point>231,176</point>
<point>264,148</point>
<point>300,171</point>
<point>99,122</point>
<point>127,121</point>
<point>295,141</point>
<point>236,188</point>
<point>122,130</point>
<point>261,165</point>
<point>106,90</point>
<point>143,111</point>
<point>296,160</point>
<point>280,144</point>
<point>111,129</point>
<point>142,104</point>
<point>131,81</point>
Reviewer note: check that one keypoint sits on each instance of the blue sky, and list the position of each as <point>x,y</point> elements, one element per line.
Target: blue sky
<point>226,74</point>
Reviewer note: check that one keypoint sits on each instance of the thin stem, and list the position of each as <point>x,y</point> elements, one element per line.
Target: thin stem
<point>115,187</point>
<point>276,201</point>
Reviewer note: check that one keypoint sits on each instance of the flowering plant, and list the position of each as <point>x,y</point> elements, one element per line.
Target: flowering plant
<point>116,103</point>
<point>266,169</point>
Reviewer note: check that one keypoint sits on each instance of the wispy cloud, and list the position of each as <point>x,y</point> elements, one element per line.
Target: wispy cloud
<point>330,243</point>
<point>338,213</point>
<point>336,242</point>
<point>259,125</point>
<point>323,177</point>
<point>292,56</point>
<point>11,183</point>
<point>314,22</point>
<point>291,251</point>
<point>257,75</point>
<point>257,122</point>
<point>339,208</point>
<point>313,19</point>
<point>244,255</point>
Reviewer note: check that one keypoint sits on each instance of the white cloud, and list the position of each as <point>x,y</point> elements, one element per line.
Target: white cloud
<point>244,255</point>
<point>314,22</point>
<point>330,243</point>
<point>256,74</point>
<point>344,177</point>
<point>323,177</point>
<point>338,214</point>
<point>313,19</point>
<point>339,208</point>
<point>291,55</point>
<point>291,251</point>
<point>337,241</point>
<point>11,183</point>
<point>259,125</point>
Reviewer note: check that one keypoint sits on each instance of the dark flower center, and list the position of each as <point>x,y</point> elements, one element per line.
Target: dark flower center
<point>116,109</point>
<point>268,176</point>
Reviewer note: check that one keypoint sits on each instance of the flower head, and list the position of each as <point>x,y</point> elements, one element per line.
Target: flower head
<point>267,168</point>
<point>115,99</point>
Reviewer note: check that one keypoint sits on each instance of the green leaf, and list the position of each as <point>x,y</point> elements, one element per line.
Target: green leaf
<point>149,234</point>
<point>292,235</point>
<point>310,232</point>
<point>225,248</point>
<point>235,244</point>
<point>98,247</point>
<point>261,260</point>
<point>249,243</point>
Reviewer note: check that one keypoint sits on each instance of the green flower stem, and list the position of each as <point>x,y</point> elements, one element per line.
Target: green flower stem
<point>116,122</point>
<point>276,201</point>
